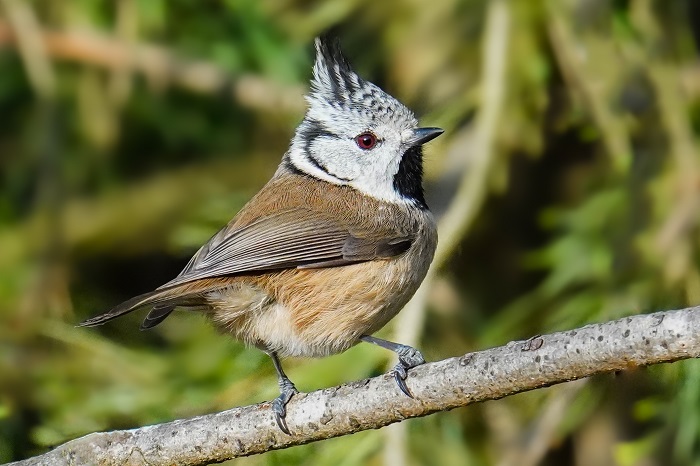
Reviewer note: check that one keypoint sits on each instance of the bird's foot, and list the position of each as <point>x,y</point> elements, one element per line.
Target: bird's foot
<point>409,358</point>
<point>279,404</point>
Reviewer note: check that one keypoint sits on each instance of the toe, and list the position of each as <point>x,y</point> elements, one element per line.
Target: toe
<point>279,409</point>
<point>413,359</point>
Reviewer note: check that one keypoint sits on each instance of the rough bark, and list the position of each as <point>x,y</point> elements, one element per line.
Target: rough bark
<point>519,366</point>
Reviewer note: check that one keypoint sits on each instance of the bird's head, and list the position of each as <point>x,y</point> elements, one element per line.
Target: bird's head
<point>356,134</point>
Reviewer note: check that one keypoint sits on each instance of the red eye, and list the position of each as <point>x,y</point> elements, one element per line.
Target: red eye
<point>366,141</point>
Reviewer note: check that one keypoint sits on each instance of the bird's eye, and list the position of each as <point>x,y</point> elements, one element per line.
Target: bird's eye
<point>366,141</point>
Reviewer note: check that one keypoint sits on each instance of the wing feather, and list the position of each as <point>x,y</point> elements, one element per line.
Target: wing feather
<point>293,238</point>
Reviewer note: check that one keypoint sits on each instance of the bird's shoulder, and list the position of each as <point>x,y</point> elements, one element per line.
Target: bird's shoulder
<point>341,205</point>
<point>299,222</point>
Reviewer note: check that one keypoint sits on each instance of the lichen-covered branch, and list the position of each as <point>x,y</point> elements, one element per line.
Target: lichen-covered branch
<point>373,403</point>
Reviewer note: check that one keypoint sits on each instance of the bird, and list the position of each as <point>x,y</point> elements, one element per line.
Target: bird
<point>331,248</point>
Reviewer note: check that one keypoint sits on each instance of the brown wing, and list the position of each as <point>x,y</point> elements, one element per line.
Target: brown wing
<point>296,235</point>
<point>293,238</point>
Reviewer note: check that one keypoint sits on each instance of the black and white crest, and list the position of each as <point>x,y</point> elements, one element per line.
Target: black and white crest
<point>333,79</point>
<point>356,134</point>
<point>335,83</point>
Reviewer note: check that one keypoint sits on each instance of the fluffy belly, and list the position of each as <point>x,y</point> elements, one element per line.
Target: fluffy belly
<point>312,313</point>
<point>275,330</point>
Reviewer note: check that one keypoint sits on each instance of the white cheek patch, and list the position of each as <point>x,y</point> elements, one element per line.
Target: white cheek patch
<point>299,159</point>
<point>370,172</point>
<point>341,158</point>
<point>336,158</point>
<point>380,185</point>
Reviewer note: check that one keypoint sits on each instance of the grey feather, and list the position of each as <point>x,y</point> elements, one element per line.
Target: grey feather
<point>294,238</point>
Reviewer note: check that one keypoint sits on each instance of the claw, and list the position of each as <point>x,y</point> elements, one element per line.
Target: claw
<point>401,382</point>
<point>279,404</point>
<point>280,412</point>
<point>409,358</point>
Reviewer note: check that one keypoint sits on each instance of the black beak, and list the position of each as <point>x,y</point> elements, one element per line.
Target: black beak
<point>423,135</point>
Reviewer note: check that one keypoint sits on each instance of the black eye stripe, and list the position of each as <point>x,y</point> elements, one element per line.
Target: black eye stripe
<point>323,168</point>
<point>311,129</point>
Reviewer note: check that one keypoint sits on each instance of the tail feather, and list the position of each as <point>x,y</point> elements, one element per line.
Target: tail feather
<point>155,316</point>
<point>161,311</point>
<point>164,298</point>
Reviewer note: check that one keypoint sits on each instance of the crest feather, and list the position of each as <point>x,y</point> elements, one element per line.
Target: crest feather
<point>333,79</point>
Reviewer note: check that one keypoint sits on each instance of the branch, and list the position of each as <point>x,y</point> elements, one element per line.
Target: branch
<point>373,403</point>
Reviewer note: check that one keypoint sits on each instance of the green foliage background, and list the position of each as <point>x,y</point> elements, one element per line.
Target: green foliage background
<point>136,128</point>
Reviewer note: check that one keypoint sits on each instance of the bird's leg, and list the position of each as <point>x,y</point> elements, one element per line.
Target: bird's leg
<point>287,391</point>
<point>409,357</point>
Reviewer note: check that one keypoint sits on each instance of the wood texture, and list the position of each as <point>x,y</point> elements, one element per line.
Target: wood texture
<point>373,403</point>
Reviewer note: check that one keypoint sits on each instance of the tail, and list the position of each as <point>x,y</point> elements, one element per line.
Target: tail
<point>163,300</point>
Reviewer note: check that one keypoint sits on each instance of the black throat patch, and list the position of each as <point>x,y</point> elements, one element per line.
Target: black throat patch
<point>408,181</point>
